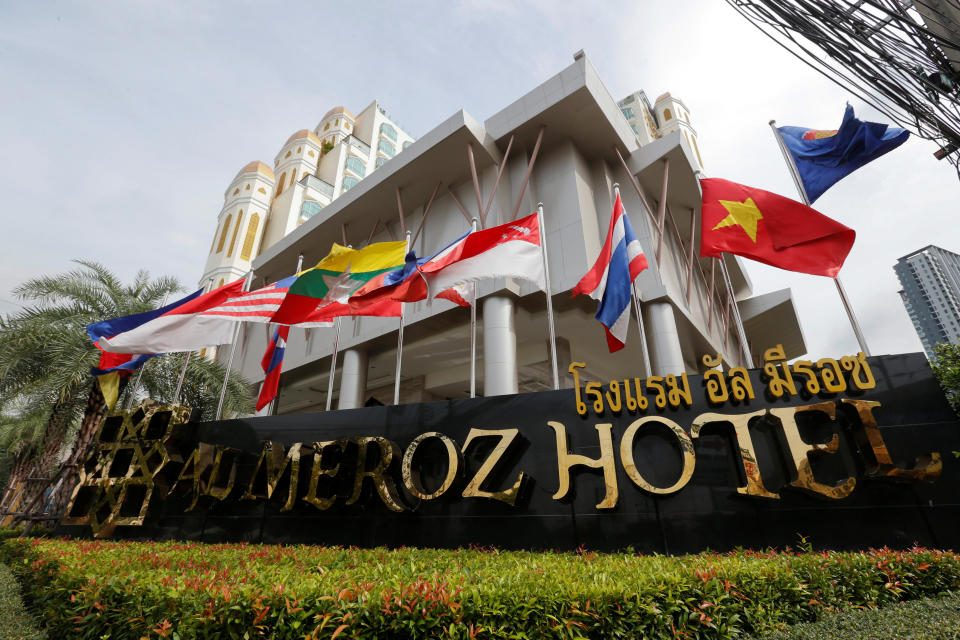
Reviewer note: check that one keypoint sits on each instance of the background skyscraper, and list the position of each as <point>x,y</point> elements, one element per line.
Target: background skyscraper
<point>931,293</point>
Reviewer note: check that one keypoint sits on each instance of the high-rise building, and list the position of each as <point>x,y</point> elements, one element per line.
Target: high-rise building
<point>566,143</point>
<point>314,168</point>
<point>930,278</point>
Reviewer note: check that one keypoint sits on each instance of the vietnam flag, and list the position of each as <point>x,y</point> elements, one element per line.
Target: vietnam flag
<point>769,228</point>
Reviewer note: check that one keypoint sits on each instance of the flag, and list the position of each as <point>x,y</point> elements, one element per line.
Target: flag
<point>611,278</point>
<point>769,228</point>
<point>258,305</point>
<point>272,363</point>
<point>112,368</point>
<point>334,279</point>
<point>825,157</point>
<point>509,250</point>
<point>179,326</point>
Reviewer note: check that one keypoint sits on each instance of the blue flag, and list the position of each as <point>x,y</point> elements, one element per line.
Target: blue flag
<point>825,157</point>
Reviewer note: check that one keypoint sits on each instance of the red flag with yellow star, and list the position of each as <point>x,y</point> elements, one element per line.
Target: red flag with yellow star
<point>769,228</point>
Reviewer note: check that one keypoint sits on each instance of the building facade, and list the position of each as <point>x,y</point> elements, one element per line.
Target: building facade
<point>312,168</point>
<point>568,144</point>
<point>930,278</point>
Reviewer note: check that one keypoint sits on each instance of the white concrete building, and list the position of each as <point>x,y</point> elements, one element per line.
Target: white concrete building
<point>565,144</point>
<point>314,168</point>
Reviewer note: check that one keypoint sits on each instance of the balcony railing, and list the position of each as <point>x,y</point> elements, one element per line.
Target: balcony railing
<point>313,182</point>
<point>359,144</point>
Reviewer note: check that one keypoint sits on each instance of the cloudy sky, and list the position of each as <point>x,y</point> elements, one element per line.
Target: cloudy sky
<point>123,123</point>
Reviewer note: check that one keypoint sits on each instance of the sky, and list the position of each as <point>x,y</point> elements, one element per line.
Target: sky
<point>123,123</point>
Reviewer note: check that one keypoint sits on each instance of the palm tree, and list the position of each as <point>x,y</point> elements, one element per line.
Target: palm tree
<point>49,402</point>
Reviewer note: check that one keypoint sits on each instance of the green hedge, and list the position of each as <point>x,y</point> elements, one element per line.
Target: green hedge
<point>927,619</point>
<point>90,589</point>
<point>15,622</point>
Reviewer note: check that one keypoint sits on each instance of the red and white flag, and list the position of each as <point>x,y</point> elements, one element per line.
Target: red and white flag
<point>509,250</point>
<point>258,305</point>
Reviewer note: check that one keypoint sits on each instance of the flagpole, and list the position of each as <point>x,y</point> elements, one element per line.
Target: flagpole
<point>795,174</point>
<point>636,306</point>
<point>186,361</point>
<point>741,334</point>
<point>546,277</point>
<point>136,382</point>
<point>396,379</point>
<point>473,330</point>
<point>333,361</point>
<point>233,351</point>
<point>272,407</point>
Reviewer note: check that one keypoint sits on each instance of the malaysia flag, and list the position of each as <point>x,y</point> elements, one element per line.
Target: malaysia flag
<point>272,363</point>
<point>259,305</point>
<point>610,280</point>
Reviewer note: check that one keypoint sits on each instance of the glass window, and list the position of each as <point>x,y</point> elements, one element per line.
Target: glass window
<point>349,182</point>
<point>380,161</point>
<point>388,131</point>
<point>407,144</point>
<point>386,148</point>
<point>627,113</point>
<point>356,165</point>
<point>667,115</point>
<point>309,209</point>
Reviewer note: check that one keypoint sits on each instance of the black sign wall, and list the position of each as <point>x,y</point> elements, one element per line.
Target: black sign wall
<point>851,469</point>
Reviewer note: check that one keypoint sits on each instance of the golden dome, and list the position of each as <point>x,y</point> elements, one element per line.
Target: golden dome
<point>337,110</point>
<point>257,167</point>
<point>303,133</point>
<point>663,97</point>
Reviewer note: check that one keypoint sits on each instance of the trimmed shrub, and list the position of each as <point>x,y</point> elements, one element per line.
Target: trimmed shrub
<point>15,622</point>
<point>927,619</point>
<point>86,589</point>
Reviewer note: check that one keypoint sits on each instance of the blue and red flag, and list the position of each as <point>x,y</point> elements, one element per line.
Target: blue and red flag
<point>272,364</point>
<point>610,280</point>
<point>824,157</point>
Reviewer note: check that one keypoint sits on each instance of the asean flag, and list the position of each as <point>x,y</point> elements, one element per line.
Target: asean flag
<point>769,228</point>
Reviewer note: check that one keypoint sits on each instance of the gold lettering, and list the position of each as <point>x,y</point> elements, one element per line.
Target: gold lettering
<point>473,489</point>
<point>386,489</point>
<point>656,382</point>
<point>573,369</point>
<point>273,462</point>
<point>686,450</point>
<point>593,390</point>
<point>317,471</point>
<point>800,451</point>
<point>614,401</point>
<point>748,454</point>
<point>566,460</point>
<point>411,477</point>
<point>926,468</point>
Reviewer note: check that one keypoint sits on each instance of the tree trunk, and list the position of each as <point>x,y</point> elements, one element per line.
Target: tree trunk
<point>92,416</point>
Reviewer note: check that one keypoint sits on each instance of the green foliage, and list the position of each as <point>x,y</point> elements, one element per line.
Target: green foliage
<point>85,589</point>
<point>946,366</point>
<point>927,619</point>
<point>15,622</point>
<point>46,356</point>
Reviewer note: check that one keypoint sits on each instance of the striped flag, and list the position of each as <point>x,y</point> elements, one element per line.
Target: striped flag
<point>272,364</point>
<point>259,305</point>
<point>610,280</point>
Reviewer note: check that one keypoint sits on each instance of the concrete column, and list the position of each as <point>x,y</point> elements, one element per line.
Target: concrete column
<point>663,340</point>
<point>499,347</point>
<point>353,379</point>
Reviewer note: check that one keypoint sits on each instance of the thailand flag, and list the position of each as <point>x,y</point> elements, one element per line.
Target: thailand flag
<point>610,280</point>
<point>272,363</point>
<point>509,250</point>
<point>180,326</point>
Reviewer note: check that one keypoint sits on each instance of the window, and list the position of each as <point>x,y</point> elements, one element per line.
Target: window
<point>355,165</point>
<point>223,235</point>
<point>388,131</point>
<point>326,126</point>
<point>336,122</point>
<point>349,182</point>
<point>627,113</point>
<point>252,228</point>
<point>667,115</point>
<point>216,232</point>
<point>386,148</point>
<point>346,125</point>
<point>407,144</point>
<point>280,184</point>
<point>236,230</point>
<point>380,161</point>
<point>309,208</point>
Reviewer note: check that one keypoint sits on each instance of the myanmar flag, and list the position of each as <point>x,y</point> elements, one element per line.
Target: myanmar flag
<point>769,228</point>
<point>325,289</point>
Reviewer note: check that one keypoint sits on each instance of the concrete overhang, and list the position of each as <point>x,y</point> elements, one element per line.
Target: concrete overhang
<point>573,105</point>
<point>438,156</point>
<point>683,184</point>
<point>771,319</point>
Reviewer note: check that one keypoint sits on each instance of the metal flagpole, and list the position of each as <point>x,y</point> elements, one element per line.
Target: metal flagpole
<point>233,351</point>
<point>792,166</point>
<point>473,331</point>
<point>741,334</point>
<point>136,382</point>
<point>396,379</point>
<point>636,307</point>
<point>333,361</point>
<point>546,277</point>
<point>186,361</point>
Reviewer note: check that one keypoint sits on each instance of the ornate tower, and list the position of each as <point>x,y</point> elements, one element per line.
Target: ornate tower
<point>240,225</point>
<point>673,115</point>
